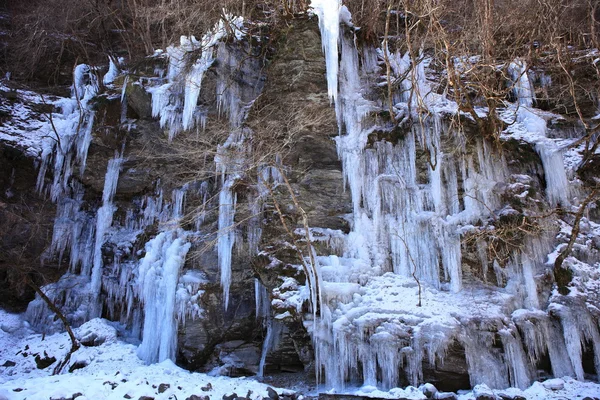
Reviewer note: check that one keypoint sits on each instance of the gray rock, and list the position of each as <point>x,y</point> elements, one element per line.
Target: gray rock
<point>483,392</point>
<point>446,396</point>
<point>428,390</point>
<point>163,387</point>
<point>554,384</point>
<point>272,393</point>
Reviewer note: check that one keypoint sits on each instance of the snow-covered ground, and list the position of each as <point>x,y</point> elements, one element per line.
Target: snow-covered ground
<point>113,371</point>
<point>22,121</point>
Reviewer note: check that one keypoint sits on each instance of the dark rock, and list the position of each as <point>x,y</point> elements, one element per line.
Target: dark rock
<point>230,397</point>
<point>127,396</point>
<point>92,340</point>
<point>9,363</point>
<point>206,388</point>
<point>195,397</point>
<point>328,396</point>
<point>453,374</point>
<point>17,390</point>
<point>163,387</point>
<point>272,393</point>
<point>139,100</point>
<point>78,365</point>
<point>25,228</point>
<point>113,385</point>
<point>146,398</point>
<point>72,397</point>
<point>44,362</point>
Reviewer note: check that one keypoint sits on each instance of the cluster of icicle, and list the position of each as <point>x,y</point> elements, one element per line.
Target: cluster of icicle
<point>175,102</point>
<point>410,225</point>
<point>153,292</point>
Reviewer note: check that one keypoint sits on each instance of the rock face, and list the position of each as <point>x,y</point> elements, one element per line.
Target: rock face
<point>351,245</point>
<point>26,223</point>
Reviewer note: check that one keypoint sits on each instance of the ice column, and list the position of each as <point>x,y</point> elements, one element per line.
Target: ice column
<point>71,133</point>
<point>328,12</point>
<point>158,276</point>
<point>261,300</point>
<point>557,184</point>
<point>104,220</point>
<point>273,335</point>
<point>226,239</point>
<point>522,86</point>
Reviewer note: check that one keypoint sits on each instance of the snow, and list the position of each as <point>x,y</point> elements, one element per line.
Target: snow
<point>24,128</point>
<point>110,370</point>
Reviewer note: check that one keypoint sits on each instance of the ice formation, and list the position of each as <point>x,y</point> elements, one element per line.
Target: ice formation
<point>175,102</point>
<point>104,219</point>
<point>328,12</point>
<point>158,276</point>
<point>534,125</point>
<point>389,292</point>
<point>69,135</point>
<point>393,293</point>
<point>113,72</point>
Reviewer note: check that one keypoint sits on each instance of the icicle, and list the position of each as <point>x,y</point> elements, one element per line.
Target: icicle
<point>522,86</point>
<point>557,184</point>
<point>532,300</point>
<point>193,84</point>
<point>328,12</point>
<point>175,102</point>
<point>104,220</point>
<point>124,100</point>
<point>271,340</point>
<point>113,72</point>
<point>158,277</point>
<point>484,365</point>
<point>226,239</point>
<point>261,300</point>
<point>85,84</point>
<point>515,359</point>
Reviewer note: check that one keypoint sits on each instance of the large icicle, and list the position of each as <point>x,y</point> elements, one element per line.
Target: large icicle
<point>226,238</point>
<point>158,276</point>
<point>175,102</point>
<point>328,12</point>
<point>557,184</point>
<point>70,134</point>
<point>104,219</point>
